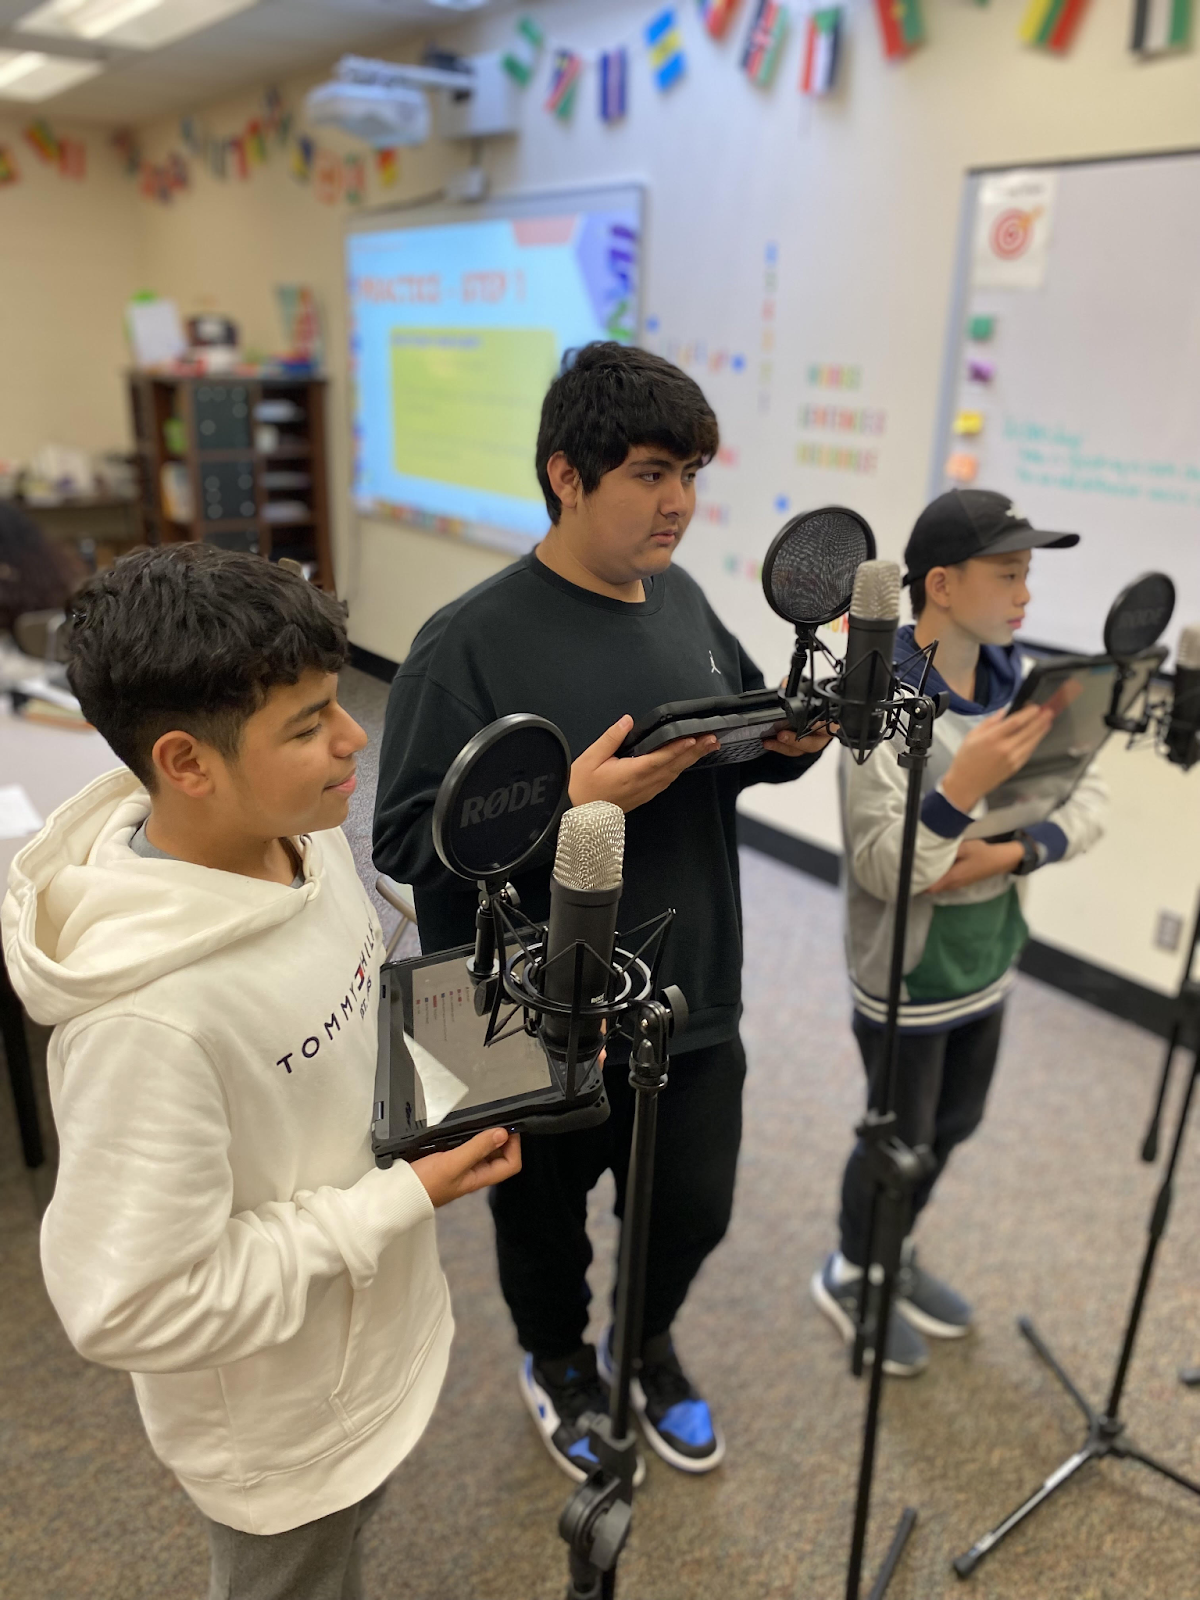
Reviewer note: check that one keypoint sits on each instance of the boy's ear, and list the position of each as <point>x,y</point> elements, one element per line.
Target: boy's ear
<point>184,764</point>
<point>564,480</point>
<point>937,587</point>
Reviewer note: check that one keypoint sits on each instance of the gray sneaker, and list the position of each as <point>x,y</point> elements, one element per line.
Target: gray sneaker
<point>904,1354</point>
<point>929,1304</point>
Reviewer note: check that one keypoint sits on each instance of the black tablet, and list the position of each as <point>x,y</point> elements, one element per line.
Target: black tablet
<point>437,1083</point>
<point>740,721</point>
<point>1082,691</point>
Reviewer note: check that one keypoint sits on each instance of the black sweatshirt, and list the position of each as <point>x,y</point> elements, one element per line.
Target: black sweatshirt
<point>527,640</point>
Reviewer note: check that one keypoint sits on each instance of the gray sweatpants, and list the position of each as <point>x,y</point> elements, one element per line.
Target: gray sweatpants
<point>319,1560</point>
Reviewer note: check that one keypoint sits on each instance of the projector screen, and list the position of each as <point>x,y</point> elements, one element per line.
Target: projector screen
<point>458,321</point>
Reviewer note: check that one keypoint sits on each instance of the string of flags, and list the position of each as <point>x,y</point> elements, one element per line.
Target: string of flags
<point>1159,27</point>
<point>332,177</point>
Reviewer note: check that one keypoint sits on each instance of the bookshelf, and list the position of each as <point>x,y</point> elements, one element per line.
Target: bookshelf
<point>236,462</point>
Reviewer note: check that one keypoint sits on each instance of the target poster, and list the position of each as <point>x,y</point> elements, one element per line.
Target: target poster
<point>1013,216</point>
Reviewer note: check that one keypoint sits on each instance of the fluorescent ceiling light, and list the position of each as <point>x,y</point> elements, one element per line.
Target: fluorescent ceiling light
<point>459,5</point>
<point>139,24</point>
<point>31,75</point>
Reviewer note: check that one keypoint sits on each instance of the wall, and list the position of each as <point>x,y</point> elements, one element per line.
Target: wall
<point>70,258</point>
<point>860,194</point>
<point>224,246</point>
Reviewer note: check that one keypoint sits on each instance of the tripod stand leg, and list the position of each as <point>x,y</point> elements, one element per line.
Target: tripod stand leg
<point>904,1527</point>
<point>1128,1453</point>
<point>965,1564</point>
<point>1043,1350</point>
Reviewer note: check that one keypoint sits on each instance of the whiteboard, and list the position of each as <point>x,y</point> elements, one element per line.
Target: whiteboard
<point>1086,389</point>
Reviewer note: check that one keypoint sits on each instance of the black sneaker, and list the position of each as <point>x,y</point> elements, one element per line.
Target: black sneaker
<point>564,1398</point>
<point>905,1353</point>
<point>675,1419</point>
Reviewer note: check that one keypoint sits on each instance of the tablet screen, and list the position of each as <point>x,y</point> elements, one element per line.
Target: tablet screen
<point>434,1026</point>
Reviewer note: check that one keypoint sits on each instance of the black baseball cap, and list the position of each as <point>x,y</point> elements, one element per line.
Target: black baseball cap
<point>972,522</point>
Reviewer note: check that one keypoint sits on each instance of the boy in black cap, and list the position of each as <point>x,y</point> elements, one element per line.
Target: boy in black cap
<point>968,563</point>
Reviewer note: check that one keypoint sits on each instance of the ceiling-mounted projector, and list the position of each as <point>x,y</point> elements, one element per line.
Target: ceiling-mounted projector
<point>385,103</point>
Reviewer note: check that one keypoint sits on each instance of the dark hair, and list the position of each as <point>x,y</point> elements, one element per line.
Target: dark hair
<point>611,397</point>
<point>916,596</point>
<point>35,574</point>
<point>192,637</point>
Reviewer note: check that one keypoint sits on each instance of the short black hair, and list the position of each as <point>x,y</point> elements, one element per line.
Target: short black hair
<point>916,596</point>
<point>609,398</point>
<point>193,637</point>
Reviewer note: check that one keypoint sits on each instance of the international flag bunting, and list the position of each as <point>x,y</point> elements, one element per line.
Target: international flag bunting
<point>521,57</point>
<point>387,166</point>
<point>355,180</point>
<point>901,25</point>
<point>41,141</point>
<point>241,159</point>
<point>822,48</point>
<point>125,143</point>
<point>764,42</point>
<point>1051,24</point>
<point>665,44</point>
<point>614,84</point>
<point>303,152</point>
<point>716,16</point>
<point>1161,25</point>
<point>8,167</point>
<point>256,141</point>
<point>72,158</point>
<point>564,83</point>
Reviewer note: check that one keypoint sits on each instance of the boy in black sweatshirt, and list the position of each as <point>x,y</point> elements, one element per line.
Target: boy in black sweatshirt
<point>594,628</point>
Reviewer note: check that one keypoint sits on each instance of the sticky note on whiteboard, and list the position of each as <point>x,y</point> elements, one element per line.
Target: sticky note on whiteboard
<point>981,329</point>
<point>962,467</point>
<point>968,422</point>
<point>980,372</point>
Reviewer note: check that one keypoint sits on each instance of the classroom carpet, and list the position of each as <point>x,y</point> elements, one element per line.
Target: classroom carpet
<point>1044,1212</point>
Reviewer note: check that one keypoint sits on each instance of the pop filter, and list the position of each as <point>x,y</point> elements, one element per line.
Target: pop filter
<point>502,797</point>
<point>1138,615</point>
<point>808,574</point>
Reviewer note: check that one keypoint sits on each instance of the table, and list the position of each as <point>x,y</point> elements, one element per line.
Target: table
<point>51,764</point>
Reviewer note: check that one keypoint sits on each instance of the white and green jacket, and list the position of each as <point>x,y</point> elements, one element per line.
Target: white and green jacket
<point>962,946</point>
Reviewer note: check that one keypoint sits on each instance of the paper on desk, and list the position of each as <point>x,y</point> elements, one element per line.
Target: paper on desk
<point>17,815</point>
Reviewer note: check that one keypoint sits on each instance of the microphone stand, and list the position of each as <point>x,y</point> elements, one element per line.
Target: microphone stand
<point>1185,1026</point>
<point>596,1520</point>
<point>895,1169</point>
<point>1106,1434</point>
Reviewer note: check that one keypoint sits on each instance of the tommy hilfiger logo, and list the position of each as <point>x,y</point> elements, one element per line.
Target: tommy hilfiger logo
<point>356,999</point>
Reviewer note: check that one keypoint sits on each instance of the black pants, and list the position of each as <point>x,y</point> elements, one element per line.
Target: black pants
<point>541,1214</point>
<point>942,1083</point>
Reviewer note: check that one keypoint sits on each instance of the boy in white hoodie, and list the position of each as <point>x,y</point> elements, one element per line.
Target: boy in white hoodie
<point>194,928</point>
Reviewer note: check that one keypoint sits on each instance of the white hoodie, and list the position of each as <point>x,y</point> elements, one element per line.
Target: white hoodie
<point>218,1228</point>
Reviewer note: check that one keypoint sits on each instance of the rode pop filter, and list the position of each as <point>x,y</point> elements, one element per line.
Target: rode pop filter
<point>808,573</point>
<point>512,1036</point>
<point>1138,616</point>
<point>1135,621</point>
<point>502,797</point>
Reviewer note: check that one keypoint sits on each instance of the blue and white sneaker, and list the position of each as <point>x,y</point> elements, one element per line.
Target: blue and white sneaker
<point>675,1419</point>
<point>564,1398</point>
<point>928,1303</point>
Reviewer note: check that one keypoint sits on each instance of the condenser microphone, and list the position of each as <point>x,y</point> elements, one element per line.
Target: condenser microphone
<point>870,643</point>
<point>585,889</point>
<point>1183,747</point>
